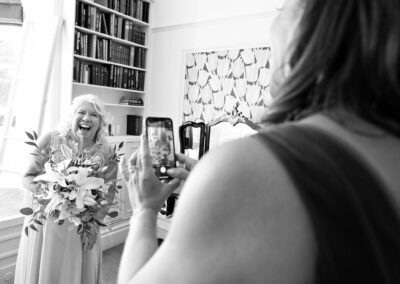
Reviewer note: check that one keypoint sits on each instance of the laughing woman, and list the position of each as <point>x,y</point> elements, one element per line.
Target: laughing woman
<point>55,254</point>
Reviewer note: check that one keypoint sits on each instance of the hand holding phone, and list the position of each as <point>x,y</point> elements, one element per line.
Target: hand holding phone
<point>160,135</point>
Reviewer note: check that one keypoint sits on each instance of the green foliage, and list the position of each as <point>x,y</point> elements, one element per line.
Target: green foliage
<point>113,214</point>
<point>26,211</point>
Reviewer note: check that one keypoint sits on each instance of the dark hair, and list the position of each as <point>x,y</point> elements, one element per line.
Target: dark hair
<point>345,53</point>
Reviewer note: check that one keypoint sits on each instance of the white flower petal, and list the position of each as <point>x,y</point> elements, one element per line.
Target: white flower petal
<point>105,187</point>
<point>72,195</point>
<point>53,204</point>
<point>92,183</point>
<point>79,198</point>
<point>75,220</point>
<point>89,201</point>
<point>63,165</point>
<point>47,177</point>
<point>63,214</point>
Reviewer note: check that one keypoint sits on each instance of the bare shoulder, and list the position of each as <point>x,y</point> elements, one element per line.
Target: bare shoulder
<point>239,210</point>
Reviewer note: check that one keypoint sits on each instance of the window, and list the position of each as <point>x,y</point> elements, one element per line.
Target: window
<point>11,193</point>
<point>31,74</point>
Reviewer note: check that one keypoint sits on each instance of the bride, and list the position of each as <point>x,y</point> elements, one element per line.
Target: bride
<point>55,254</point>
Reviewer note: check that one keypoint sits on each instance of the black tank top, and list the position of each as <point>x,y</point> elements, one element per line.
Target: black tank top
<point>354,221</point>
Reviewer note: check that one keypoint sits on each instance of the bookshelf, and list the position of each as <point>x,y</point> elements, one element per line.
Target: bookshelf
<point>110,58</point>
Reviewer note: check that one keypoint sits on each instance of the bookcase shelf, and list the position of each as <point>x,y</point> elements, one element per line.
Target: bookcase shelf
<point>91,59</point>
<point>125,106</point>
<point>91,86</point>
<point>116,39</point>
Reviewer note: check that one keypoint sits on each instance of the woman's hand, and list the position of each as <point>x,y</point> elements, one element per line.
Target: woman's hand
<point>186,164</point>
<point>182,172</point>
<point>145,190</point>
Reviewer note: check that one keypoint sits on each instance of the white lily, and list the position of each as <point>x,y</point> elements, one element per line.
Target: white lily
<point>84,186</point>
<point>51,176</point>
<point>84,197</point>
<point>75,220</point>
<point>63,165</point>
<point>68,211</point>
<point>54,203</point>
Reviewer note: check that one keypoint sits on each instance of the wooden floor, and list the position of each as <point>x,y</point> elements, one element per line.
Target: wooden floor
<point>111,259</point>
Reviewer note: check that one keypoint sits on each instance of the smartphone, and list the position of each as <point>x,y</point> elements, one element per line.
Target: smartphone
<point>160,134</point>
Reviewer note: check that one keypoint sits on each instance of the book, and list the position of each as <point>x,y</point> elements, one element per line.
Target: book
<point>92,46</point>
<point>112,25</point>
<point>104,25</point>
<point>102,2</point>
<point>134,124</point>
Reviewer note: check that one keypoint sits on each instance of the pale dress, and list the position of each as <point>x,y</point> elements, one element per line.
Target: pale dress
<point>54,254</point>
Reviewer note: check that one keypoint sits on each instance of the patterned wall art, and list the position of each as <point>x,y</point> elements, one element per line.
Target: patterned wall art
<point>216,81</point>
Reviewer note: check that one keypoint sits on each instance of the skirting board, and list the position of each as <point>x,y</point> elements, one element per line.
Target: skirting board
<point>115,234</point>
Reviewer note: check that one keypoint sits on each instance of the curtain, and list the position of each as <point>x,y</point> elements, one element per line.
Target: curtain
<point>33,102</point>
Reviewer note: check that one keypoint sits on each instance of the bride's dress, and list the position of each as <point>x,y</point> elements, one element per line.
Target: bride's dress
<point>54,255</point>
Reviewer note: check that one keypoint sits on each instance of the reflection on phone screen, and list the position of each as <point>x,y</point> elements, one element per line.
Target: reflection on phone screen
<point>161,144</point>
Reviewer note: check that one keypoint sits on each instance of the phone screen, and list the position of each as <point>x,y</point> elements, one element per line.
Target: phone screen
<point>161,145</point>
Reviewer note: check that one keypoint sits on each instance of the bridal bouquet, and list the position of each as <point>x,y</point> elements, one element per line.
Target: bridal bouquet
<point>77,189</point>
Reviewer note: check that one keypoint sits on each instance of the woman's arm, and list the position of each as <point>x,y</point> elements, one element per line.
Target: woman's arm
<point>36,163</point>
<point>147,195</point>
<point>238,220</point>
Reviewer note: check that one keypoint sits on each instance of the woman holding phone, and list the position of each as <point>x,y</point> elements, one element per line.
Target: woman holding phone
<point>313,198</point>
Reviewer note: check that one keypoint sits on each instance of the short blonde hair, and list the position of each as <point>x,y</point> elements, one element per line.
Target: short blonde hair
<point>98,105</point>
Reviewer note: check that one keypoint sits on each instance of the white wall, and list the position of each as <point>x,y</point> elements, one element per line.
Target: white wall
<point>180,26</point>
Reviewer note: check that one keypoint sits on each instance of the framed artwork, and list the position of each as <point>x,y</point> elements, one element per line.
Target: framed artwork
<point>218,81</point>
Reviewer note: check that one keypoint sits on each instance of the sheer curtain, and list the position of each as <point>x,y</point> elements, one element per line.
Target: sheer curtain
<point>35,99</point>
